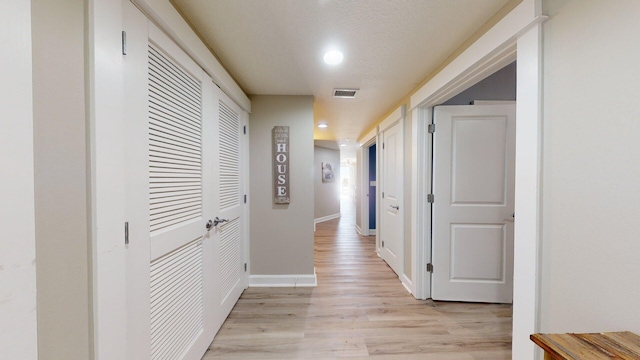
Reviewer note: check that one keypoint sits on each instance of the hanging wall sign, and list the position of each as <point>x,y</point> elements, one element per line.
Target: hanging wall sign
<point>281,165</point>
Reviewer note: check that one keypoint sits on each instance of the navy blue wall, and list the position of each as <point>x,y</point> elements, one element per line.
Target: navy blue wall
<point>372,189</point>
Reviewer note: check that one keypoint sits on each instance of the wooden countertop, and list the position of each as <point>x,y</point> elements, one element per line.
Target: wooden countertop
<point>612,345</point>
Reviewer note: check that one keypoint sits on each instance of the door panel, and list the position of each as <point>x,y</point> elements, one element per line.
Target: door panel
<point>181,261</point>
<point>229,236</point>
<point>185,165</point>
<point>391,210</point>
<point>474,172</point>
<point>170,272</point>
<point>175,151</point>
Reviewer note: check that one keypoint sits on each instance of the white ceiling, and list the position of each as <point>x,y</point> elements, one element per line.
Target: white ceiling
<point>275,47</point>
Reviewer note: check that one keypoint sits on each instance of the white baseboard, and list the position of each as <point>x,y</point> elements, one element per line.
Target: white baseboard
<point>358,229</point>
<point>408,284</point>
<point>372,232</point>
<point>326,218</point>
<point>283,280</point>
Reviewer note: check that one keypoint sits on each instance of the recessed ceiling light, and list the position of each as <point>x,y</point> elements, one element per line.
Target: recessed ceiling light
<point>333,57</point>
<point>343,144</point>
<point>323,125</point>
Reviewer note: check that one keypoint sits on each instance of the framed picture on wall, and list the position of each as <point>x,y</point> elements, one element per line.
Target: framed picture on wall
<point>327,172</point>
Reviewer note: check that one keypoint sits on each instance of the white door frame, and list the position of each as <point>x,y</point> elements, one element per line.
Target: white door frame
<point>18,328</point>
<point>516,37</point>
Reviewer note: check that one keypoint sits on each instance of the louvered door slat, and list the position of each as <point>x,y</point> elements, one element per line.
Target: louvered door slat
<point>186,112</point>
<point>169,292</point>
<point>173,127</point>
<point>173,71</point>
<point>161,82</point>
<point>161,157</point>
<point>175,149</point>
<point>175,218</point>
<point>159,197</point>
<point>162,123</point>
<point>168,73</point>
<point>171,141</point>
<point>175,192</point>
<point>177,113</point>
<point>229,157</point>
<point>176,300</point>
<point>171,198</point>
<point>230,265</point>
<point>161,114</point>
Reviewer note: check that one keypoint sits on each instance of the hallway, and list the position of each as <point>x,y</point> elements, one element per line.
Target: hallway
<point>359,310</point>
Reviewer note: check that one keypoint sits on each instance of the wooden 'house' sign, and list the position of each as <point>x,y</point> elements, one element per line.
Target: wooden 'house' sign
<point>281,165</point>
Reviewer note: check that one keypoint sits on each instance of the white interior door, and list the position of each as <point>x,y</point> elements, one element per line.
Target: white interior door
<point>229,202</point>
<point>391,211</point>
<point>473,185</point>
<point>182,259</point>
<point>170,265</point>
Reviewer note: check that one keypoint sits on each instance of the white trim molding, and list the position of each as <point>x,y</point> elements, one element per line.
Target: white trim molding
<point>292,280</point>
<point>420,209</point>
<point>407,283</point>
<point>18,302</point>
<point>390,120</point>
<point>527,193</point>
<point>371,232</point>
<point>370,138</point>
<point>326,218</point>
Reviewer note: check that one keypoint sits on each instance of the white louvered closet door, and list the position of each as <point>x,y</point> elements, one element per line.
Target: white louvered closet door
<point>184,167</point>
<point>229,235</point>
<point>180,188</point>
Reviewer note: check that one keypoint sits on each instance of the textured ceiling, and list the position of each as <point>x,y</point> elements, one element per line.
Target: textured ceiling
<point>275,47</point>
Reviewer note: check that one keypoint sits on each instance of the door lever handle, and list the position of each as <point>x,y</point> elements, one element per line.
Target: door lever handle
<point>217,221</point>
<point>397,207</point>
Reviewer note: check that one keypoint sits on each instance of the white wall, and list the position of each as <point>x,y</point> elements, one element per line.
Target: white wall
<point>591,172</point>
<point>281,234</point>
<point>61,197</point>
<point>326,194</point>
<point>18,324</point>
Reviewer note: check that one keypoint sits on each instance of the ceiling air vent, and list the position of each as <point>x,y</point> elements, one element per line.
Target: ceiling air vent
<point>345,93</point>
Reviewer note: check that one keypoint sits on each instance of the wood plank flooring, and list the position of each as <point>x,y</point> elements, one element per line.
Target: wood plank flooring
<point>358,310</point>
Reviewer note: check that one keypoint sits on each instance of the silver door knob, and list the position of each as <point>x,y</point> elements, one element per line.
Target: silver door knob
<point>397,207</point>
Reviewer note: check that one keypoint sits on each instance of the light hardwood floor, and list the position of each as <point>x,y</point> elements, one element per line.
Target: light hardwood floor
<point>359,310</point>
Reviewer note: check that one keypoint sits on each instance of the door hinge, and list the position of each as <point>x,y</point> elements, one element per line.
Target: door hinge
<point>382,243</point>
<point>244,129</point>
<point>126,233</point>
<point>245,267</point>
<point>430,267</point>
<point>383,194</point>
<point>431,128</point>
<point>431,198</point>
<point>382,146</point>
<point>124,42</point>
<point>245,199</point>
